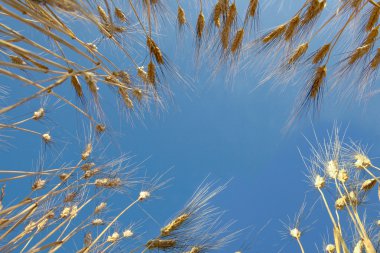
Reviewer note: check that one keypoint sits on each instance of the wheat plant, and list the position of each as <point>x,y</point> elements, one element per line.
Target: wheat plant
<point>60,55</point>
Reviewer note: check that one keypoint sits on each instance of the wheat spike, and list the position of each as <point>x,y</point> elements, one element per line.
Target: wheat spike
<point>372,36</point>
<point>358,54</point>
<point>124,94</point>
<point>160,244</point>
<point>373,18</point>
<point>174,225</point>
<point>181,17</point>
<point>120,15</point>
<point>368,184</point>
<point>108,182</point>
<point>87,151</point>
<point>225,37</point>
<point>376,60</point>
<point>237,41</point>
<point>300,50</point>
<point>277,32</point>
<point>103,15</point>
<point>292,28</point>
<point>155,50</point>
<point>200,25</point>
<point>319,77</point>
<point>216,13</point>
<point>321,54</point>
<point>314,9</point>
<point>252,7</point>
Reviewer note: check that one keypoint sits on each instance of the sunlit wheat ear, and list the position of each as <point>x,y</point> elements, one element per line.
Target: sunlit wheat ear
<point>295,233</point>
<point>343,175</point>
<point>319,182</point>
<point>320,54</point>
<point>372,36</point>
<point>108,182</point>
<point>298,53</point>
<point>38,184</point>
<point>200,26</point>
<point>181,17</point>
<point>368,184</point>
<point>316,83</point>
<point>144,195</point>
<point>124,95</point>
<point>141,73</point>
<point>361,161</point>
<point>274,34</point>
<point>330,248</point>
<point>175,224</point>
<point>310,95</point>
<point>39,114</point>
<point>100,208</point>
<point>87,152</point>
<point>90,173</point>
<point>217,11</point>
<point>46,137</point>
<point>373,18</point>
<point>90,79</point>
<point>87,166</point>
<point>314,9</point>
<point>227,26</point>
<point>77,87</point>
<point>69,212</point>
<point>103,15</point>
<point>340,203</point>
<point>366,47</point>
<point>353,198</point>
<point>237,41</point>
<point>161,244</point>
<point>291,28</point>
<point>252,12</point>
<point>97,222</point>
<point>154,50</point>
<point>120,15</point>
<point>332,169</point>
<point>113,238</point>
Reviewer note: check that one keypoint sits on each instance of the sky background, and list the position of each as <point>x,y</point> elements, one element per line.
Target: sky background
<point>223,130</point>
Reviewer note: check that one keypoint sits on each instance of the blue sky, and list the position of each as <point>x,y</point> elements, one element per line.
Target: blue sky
<point>222,130</point>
